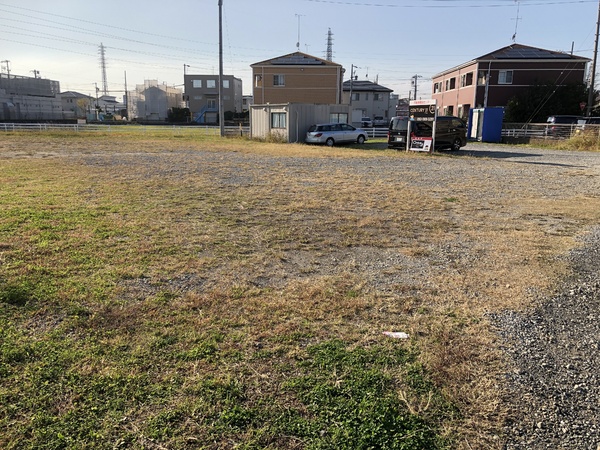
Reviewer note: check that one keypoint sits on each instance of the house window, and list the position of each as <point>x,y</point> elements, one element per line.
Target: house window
<point>258,81</point>
<point>366,96</point>
<point>211,84</point>
<point>278,120</point>
<point>356,96</point>
<point>278,80</point>
<point>482,78</point>
<point>225,84</point>
<point>505,77</point>
<point>466,79</point>
<point>338,117</point>
<point>377,97</point>
<point>197,97</point>
<point>437,87</point>
<point>451,84</point>
<point>197,84</point>
<point>211,103</point>
<point>449,111</point>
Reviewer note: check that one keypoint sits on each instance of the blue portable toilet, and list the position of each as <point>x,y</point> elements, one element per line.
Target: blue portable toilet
<point>485,124</point>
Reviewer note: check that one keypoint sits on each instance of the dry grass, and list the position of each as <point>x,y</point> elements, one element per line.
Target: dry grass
<point>264,249</point>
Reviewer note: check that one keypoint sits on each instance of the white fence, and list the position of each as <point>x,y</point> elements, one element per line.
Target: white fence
<point>129,128</point>
<point>548,131</point>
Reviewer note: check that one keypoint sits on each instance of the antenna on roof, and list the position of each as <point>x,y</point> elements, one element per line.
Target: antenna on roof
<point>516,19</point>
<point>298,43</point>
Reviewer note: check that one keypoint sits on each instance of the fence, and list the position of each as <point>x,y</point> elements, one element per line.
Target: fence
<point>141,129</point>
<point>548,131</point>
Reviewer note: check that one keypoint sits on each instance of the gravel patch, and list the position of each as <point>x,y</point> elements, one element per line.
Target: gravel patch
<point>554,387</point>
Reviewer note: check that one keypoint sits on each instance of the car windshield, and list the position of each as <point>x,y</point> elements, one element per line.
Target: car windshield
<point>399,123</point>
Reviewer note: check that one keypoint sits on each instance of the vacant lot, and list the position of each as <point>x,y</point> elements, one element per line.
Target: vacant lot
<point>179,292</point>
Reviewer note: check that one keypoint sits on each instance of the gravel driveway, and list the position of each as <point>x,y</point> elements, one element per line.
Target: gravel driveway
<point>554,388</point>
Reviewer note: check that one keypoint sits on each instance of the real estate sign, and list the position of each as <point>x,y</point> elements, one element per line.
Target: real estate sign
<point>422,111</point>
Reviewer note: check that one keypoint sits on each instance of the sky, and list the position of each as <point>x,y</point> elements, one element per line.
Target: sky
<point>384,41</point>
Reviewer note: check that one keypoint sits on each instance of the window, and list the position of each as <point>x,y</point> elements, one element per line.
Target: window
<point>225,84</point>
<point>197,97</point>
<point>258,81</point>
<point>211,103</point>
<point>278,80</point>
<point>437,87</point>
<point>356,96</point>
<point>338,117</point>
<point>366,96</point>
<point>505,77</point>
<point>278,120</point>
<point>377,97</point>
<point>211,84</point>
<point>482,78</point>
<point>450,84</point>
<point>466,79</point>
<point>197,84</point>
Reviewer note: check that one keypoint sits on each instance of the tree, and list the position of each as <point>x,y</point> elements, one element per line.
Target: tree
<point>541,101</point>
<point>178,115</point>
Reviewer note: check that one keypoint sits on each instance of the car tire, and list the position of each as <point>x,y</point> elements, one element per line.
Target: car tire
<point>330,142</point>
<point>360,140</point>
<point>456,144</point>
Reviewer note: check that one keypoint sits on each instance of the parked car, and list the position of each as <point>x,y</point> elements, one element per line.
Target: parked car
<point>397,132</point>
<point>450,132</point>
<point>366,122</point>
<point>562,126</point>
<point>379,121</point>
<point>334,133</point>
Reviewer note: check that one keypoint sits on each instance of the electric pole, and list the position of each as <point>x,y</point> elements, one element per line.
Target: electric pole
<point>591,94</point>
<point>221,115</point>
<point>414,82</point>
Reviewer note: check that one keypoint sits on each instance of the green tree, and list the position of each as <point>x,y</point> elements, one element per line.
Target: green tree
<point>541,101</point>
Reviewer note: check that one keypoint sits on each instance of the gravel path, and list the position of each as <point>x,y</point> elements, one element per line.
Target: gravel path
<point>555,386</point>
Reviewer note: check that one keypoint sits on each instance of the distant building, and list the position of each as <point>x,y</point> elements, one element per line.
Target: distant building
<point>26,98</point>
<point>202,96</point>
<point>152,101</point>
<point>247,102</point>
<point>76,105</point>
<point>368,99</point>
<point>493,79</point>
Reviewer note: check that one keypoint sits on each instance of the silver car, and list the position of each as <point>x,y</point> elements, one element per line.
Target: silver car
<point>334,133</point>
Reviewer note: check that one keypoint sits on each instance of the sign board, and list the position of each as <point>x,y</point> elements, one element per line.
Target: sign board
<point>422,110</point>
<point>421,144</point>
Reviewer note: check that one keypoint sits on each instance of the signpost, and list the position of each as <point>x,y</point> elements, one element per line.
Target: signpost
<point>422,111</point>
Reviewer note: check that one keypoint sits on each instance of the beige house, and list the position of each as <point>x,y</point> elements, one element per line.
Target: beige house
<point>297,78</point>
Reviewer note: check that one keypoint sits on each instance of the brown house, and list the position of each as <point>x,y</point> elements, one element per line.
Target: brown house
<point>297,78</point>
<point>493,79</point>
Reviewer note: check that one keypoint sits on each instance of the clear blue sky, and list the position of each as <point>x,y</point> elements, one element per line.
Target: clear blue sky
<point>388,40</point>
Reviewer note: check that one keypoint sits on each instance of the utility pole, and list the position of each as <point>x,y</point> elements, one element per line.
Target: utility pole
<point>352,67</point>
<point>35,73</point>
<point>126,98</point>
<point>414,82</point>
<point>591,94</point>
<point>221,115</point>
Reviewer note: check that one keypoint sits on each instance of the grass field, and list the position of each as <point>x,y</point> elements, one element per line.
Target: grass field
<point>177,292</point>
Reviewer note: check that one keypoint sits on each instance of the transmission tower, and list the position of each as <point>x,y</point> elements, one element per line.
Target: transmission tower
<point>102,52</point>
<point>329,56</point>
